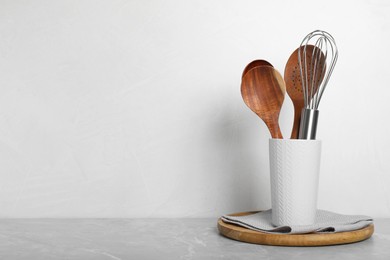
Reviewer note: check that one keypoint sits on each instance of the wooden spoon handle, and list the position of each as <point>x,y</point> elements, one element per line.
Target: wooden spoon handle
<point>274,129</point>
<point>297,121</point>
<point>277,134</point>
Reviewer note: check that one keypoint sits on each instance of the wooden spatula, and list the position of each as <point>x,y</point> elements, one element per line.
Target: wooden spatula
<point>263,90</point>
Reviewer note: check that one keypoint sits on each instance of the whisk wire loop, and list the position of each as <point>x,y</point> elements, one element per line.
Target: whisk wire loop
<point>316,72</point>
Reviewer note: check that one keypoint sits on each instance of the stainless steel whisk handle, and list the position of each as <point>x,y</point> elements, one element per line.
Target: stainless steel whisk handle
<point>308,126</point>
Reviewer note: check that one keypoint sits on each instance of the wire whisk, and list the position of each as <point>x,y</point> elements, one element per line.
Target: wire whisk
<point>317,57</point>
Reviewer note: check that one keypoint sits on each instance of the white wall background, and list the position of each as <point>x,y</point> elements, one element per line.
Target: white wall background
<point>133,108</point>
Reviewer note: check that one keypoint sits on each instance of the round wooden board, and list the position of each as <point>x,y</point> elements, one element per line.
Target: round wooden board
<point>315,239</point>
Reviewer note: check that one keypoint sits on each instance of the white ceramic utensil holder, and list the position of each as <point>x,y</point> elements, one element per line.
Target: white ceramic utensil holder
<point>294,168</point>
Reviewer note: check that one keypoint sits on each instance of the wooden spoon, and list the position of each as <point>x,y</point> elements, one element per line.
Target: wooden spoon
<point>263,90</point>
<point>255,63</point>
<point>292,77</point>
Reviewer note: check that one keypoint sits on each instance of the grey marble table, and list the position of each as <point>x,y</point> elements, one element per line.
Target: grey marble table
<point>160,239</point>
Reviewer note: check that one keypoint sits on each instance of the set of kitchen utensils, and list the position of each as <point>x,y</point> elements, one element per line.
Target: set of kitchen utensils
<point>294,162</point>
<point>306,76</point>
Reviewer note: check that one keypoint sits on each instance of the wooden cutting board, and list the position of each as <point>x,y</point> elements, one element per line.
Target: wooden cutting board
<point>315,239</point>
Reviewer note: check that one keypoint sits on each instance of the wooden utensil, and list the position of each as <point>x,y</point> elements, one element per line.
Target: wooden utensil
<point>263,90</point>
<point>292,77</point>
<point>255,63</point>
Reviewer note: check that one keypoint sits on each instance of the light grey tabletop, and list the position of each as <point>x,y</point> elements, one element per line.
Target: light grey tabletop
<point>160,239</point>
